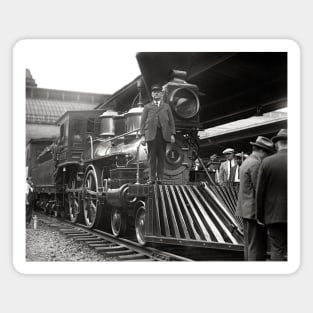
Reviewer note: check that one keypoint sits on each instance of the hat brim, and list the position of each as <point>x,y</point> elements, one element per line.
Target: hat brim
<point>262,147</point>
<point>276,138</point>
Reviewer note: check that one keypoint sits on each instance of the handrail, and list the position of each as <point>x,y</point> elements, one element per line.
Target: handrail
<point>206,171</point>
<point>116,137</point>
<point>137,164</point>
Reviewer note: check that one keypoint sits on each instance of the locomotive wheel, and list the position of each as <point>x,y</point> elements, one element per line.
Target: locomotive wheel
<point>91,208</point>
<point>140,225</point>
<point>118,223</point>
<point>73,201</point>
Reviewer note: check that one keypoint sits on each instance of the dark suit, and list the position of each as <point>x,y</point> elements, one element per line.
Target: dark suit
<point>157,125</point>
<point>255,236</point>
<point>272,201</point>
<point>149,121</point>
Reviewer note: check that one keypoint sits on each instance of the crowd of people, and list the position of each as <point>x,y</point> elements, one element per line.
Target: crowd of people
<point>262,196</point>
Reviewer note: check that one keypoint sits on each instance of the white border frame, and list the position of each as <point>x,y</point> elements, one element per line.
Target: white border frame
<point>200,267</point>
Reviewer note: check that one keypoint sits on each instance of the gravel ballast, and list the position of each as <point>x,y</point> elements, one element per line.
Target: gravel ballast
<point>47,243</point>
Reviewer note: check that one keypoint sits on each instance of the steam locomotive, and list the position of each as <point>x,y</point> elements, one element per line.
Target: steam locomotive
<point>96,173</point>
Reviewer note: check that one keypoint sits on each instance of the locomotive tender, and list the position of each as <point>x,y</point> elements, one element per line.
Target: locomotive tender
<point>96,172</point>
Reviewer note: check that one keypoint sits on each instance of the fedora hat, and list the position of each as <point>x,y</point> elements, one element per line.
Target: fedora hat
<point>281,135</point>
<point>264,143</point>
<point>155,87</point>
<point>239,155</point>
<point>228,151</point>
<point>213,156</point>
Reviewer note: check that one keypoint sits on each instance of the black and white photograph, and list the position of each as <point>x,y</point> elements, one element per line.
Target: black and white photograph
<point>156,156</point>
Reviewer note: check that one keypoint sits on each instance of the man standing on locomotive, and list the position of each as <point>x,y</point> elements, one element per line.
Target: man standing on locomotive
<point>157,129</point>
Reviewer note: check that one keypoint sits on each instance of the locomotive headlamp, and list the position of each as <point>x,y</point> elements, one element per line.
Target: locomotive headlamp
<point>185,103</point>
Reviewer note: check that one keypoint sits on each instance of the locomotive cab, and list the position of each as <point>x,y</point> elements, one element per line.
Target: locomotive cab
<point>76,127</point>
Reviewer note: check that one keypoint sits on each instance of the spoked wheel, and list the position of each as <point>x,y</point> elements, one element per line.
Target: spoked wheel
<point>73,201</point>
<point>118,223</point>
<point>92,211</point>
<point>140,225</point>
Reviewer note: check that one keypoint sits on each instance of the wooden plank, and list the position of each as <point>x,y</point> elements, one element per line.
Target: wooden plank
<point>157,214</point>
<point>196,215</point>
<point>97,241</point>
<point>135,258</point>
<point>101,245</point>
<point>78,235</point>
<point>181,217</point>
<point>118,253</point>
<point>110,248</point>
<point>72,231</point>
<point>206,217</point>
<point>84,238</point>
<point>132,257</point>
<point>176,230</point>
<point>226,197</point>
<point>231,199</point>
<point>148,227</point>
<point>165,218</point>
<point>190,220</point>
<point>220,204</point>
<point>219,221</point>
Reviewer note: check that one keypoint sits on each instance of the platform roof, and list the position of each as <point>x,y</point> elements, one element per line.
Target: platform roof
<point>45,106</point>
<point>233,85</point>
<point>238,134</point>
<point>40,111</point>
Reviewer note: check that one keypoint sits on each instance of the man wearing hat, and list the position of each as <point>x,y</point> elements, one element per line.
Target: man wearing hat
<point>255,237</point>
<point>228,168</point>
<point>211,164</point>
<point>271,197</point>
<point>240,157</point>
<point>157,128</point>
<point>213,168</point>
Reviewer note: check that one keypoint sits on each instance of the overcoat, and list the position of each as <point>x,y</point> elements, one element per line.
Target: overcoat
<point>246,206</point>
<point>224,169</point>
<point>149,121</point>
<point>271,195</point>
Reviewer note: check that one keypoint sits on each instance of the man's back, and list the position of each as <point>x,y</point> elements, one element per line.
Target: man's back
<point>248,180</point>
<point>272,189</point>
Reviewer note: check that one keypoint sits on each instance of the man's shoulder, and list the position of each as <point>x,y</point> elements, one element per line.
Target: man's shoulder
<point>253,159</point>
<point>165,104</point>
<point>223,164</point>
<point>147,106</point>
<point>249,162</point>
<point>272,158</point>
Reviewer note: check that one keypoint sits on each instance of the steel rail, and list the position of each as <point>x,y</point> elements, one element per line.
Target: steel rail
<point>107,244</point>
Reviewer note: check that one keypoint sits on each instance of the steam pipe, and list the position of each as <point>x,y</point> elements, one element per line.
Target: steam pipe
<point>137,156</point>
<point>91,146</point>
<point>116,137</point>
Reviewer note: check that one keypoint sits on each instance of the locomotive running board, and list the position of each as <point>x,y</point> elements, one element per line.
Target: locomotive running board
<point>190,215</point>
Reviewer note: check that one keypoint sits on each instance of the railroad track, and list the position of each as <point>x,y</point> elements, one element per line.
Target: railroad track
<point>107,244</point>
